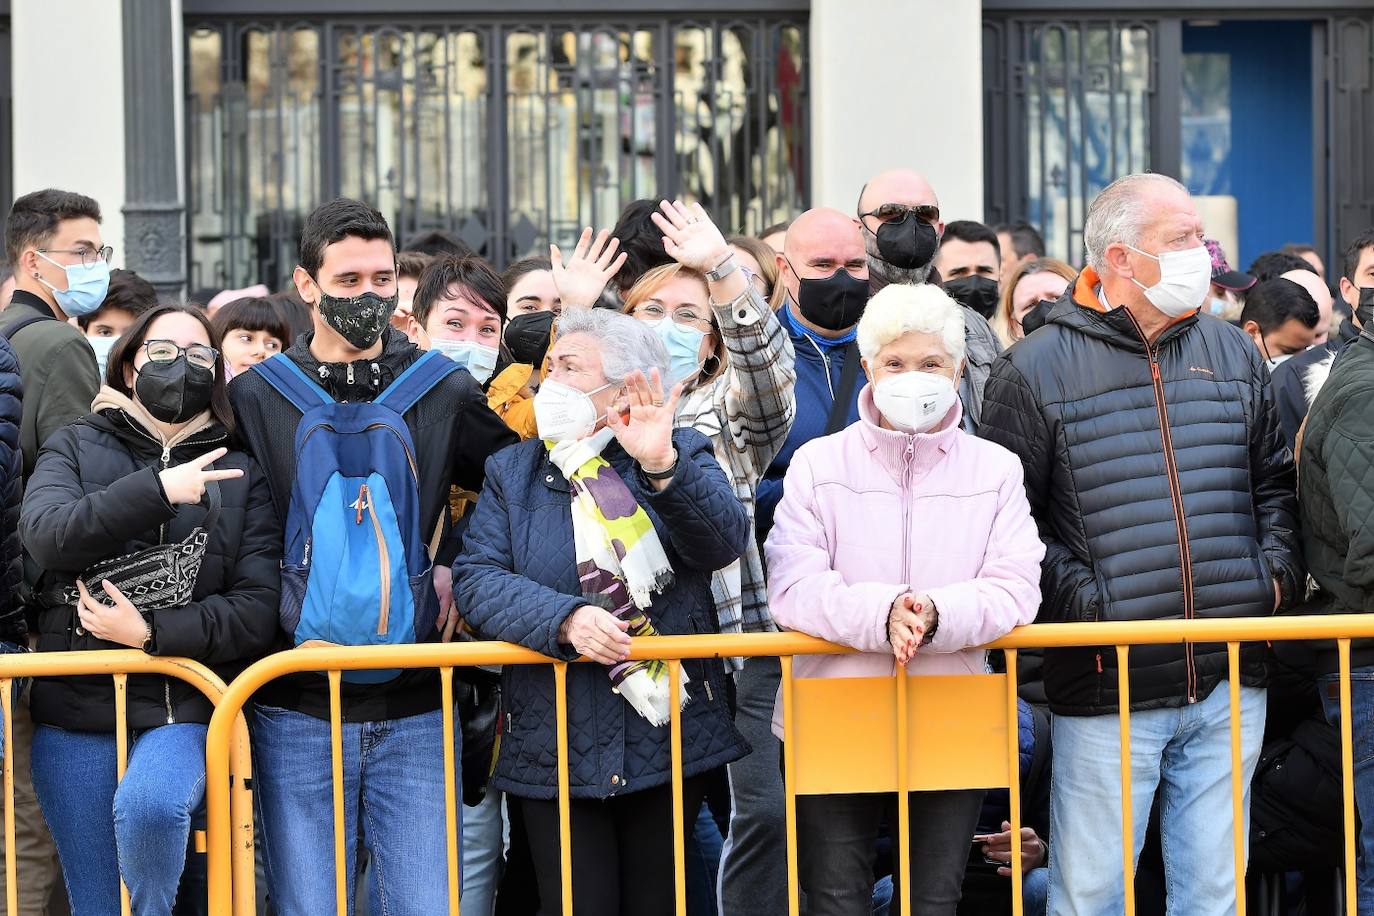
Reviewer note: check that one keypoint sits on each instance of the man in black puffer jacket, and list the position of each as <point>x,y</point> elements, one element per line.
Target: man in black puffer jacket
<point>1157,473</point>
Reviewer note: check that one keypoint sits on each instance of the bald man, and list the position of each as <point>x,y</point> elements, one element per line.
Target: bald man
<point>824,273</point>
<point>1316,288</point>
<point>899,216</point>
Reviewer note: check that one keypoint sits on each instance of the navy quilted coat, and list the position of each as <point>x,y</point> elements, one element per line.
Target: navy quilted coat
<point>1162,487</point>
<point>516,580</point>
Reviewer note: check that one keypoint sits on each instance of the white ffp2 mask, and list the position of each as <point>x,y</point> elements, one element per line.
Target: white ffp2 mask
<point>914,402</point>
<point>1184,279</point>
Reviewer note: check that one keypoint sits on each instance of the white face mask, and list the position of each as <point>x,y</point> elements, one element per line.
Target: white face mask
<point>914,402</point>
<point>1184,279</point>
<point>102,347</point>
<point>562,413</point>
<point>474,357</point>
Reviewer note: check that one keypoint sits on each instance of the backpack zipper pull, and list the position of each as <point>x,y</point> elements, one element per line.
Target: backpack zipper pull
<point>360,503</point>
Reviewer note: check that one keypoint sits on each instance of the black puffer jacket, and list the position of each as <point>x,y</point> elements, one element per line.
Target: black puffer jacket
<point>95,494</point>
<point>1161,485</point>
<point>13,629</point>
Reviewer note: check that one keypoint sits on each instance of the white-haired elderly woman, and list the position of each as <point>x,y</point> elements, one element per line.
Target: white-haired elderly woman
<point>911,541</point>
<point>597,536</point>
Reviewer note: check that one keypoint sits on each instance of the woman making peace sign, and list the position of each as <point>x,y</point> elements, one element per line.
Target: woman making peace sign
<point>144,493</point>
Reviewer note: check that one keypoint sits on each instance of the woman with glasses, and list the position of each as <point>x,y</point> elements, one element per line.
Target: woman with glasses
<point>153,534</point>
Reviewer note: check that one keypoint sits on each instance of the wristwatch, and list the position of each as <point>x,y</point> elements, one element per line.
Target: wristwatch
<point>724,269</point>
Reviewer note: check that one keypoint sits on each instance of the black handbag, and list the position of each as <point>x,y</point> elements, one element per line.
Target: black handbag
<point>478,698</point>
<point>157,577</point>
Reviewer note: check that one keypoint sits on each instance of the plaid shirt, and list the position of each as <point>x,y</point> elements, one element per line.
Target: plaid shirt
<point>746,412</point>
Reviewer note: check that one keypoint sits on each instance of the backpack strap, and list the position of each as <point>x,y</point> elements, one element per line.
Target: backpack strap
<point>290,380</point>
<point>416,381</point>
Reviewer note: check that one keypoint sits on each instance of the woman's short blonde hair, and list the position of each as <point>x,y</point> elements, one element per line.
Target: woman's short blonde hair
<point>900,309</point>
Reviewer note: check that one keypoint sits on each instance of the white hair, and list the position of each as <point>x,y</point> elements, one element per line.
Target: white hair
<point>898,310</point>
<point>1120,214</point>
<point>626,343</point>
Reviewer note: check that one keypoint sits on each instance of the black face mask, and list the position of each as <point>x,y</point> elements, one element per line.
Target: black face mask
<point>174,392</point>
<point>908,243</point>
<point>528,336</point>
<point>978,293</point>
<point>834,302</point>
<point>1364,312</point>
<point>360,320</point>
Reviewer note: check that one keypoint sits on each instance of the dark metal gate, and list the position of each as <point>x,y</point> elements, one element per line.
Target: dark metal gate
<point>1349,112</point>
<point>1069,105</point>
<point>508,133</point>
<point>6,119</point>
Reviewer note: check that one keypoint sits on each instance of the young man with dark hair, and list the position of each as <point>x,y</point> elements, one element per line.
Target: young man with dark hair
<point>1019,242</point>
<point>1297,382</point>
<point>1281,318</point>
<point>61,271</point>
<point>970,264</point>
<point>640,241</point>
<point>128,297</point>
<point>1270,264</point>
<point>347,274</point>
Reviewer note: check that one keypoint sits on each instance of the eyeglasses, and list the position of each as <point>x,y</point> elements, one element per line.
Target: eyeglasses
<point>166,351</point>
<point>683,317</point>
<point>888,213</point>
<point>89,256</point>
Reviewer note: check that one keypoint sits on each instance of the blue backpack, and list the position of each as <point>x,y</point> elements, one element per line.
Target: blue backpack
<point>356,570</point>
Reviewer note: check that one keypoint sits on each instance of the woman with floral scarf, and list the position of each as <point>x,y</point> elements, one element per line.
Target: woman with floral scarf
<point>599,535</point>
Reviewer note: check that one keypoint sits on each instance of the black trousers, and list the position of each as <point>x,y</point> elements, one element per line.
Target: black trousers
<point>622,851</point>
<point>837,836</point>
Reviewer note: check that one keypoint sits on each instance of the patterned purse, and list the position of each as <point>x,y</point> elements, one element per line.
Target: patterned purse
<point>158,577</point>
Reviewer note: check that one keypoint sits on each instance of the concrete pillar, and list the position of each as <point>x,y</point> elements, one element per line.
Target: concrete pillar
<point>154,218</point>
<point>68,119</point>
<point>897,83</point>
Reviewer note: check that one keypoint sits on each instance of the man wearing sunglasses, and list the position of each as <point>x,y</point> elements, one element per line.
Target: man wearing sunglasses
<point>61,271</point>
<point>899,215</point>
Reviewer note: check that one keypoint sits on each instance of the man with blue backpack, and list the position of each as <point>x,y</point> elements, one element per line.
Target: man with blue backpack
<point>362,436</point>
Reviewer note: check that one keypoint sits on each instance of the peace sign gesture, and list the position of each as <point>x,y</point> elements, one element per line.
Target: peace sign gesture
<point>185,483</point>
<point>689,236</point>
<point>647,436</point>
<point>587,272</point>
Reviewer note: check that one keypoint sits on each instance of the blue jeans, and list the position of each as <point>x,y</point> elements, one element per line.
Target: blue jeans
<point>484,852</point>
<point>146,818</point>
<point>393,775</point>
<point>1362,734</point>
<point>1183,752</point>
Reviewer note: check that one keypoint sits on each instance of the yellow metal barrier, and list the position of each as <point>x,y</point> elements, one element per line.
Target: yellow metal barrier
<point>118,665</point>
<point>809,706</point>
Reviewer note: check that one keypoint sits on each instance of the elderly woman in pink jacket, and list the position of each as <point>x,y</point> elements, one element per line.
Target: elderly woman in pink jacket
<point>911,541</point>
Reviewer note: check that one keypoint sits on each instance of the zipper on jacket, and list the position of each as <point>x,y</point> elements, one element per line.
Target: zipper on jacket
<point>1176,495</point>
<point>825,361</point>
<point>906,519</point>
<point>167,698</point>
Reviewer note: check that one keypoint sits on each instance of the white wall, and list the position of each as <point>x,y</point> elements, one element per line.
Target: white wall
<point>897,83</point>
<point>68,79</point>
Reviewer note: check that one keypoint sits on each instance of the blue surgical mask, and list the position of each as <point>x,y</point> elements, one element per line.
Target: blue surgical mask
<point>102,347</point>
<point>86,286</point>
<point>684,348</point>
<point>477,359</point>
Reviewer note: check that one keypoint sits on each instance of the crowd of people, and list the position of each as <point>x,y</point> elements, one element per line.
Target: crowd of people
<point>903,435</point>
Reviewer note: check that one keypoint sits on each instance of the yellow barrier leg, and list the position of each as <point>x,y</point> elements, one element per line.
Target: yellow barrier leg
<point>1123,688</point>
<point>679,816</point>
<point>336,752</point>
<point>450,809</point>
<point>560,701</point>
<point>903,797</point>
<point>1014,783</point>
<point>121,691</point>
<point>243,862</point>
<point>789,786</point>
<point>11,869</point>
<point>1237,776</point>
<point>1348,776</point>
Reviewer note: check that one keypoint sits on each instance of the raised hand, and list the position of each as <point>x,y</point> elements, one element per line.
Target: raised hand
<point>689,236</point>
<point>647,434</point>
<point>591,267</point>
<point>185,483</point>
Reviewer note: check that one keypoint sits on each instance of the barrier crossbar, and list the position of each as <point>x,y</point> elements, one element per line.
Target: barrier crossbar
<point>231,886</point>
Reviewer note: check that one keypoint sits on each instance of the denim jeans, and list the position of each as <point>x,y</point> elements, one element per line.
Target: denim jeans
<point>1183,752</point>
<point>146,818</point>
<point>1362,734</point>
<point>393,787</point>
<point>484,851</point>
